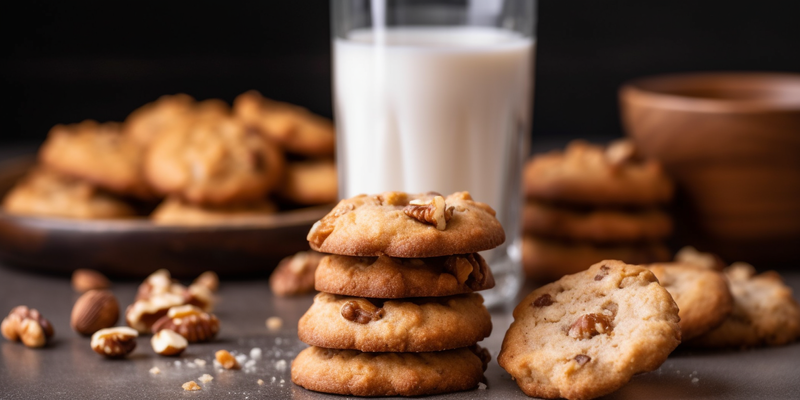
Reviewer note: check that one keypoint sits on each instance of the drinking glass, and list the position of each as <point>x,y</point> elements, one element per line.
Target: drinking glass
<point>436,96</point>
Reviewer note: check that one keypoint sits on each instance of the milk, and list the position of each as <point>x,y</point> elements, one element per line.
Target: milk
<point>440,109</point>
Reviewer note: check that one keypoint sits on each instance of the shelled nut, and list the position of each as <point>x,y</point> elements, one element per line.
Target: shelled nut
<point>114,342</point>
<point>27,325</point>
<point>143,313</point>
<point>226,359</point>
<point>209,279</point>
<point>168,343</point>
<point>190,322</point>
<point>84,280</point>
<point>434,212</point>
<point>94,310</point>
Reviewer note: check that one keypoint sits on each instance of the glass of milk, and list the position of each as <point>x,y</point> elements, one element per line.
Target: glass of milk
<point>436,96</point>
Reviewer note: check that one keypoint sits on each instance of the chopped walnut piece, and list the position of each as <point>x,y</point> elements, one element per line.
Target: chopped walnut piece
<point>155,370</point>
<point>26,325</point>
<point>361,311</point>
<point>434,212</point>
<point>191,386</point>
<point>227,360</point>
<point>208,279</point>
<point>260,382</point>
<point>461,267</point>
<point>589,325</point>
<point>190,322</point>
<point>205,378</point>
<point>274,323</point>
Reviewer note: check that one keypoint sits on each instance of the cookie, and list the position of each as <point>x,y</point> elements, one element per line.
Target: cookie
<point>690,255</point>
<point>350,372</point>
<point>588,174</point>
<point>407,325</point>
<point>174,211</point>
<point>295,274</point>
<point>391,278</point>
<point>295,128</point>
<point>587,334</point>
<point>151,120</point>
<point>213,161</point>
<point>547,260</point>
<point>764,312</point>
<point>702,296</point>
<point>97,153</point>
<point>47,193</point>
<point>595,225</point>
<point>405,225</point>
<point>310,182</point>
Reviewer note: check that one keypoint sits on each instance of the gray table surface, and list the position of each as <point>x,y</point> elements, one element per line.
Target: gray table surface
<point>68,368</point>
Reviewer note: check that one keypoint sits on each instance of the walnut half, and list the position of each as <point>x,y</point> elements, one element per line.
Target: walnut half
<point>434,212</point>
<point>361,311</point>
<point>27,325</point>
<point>589,326</point>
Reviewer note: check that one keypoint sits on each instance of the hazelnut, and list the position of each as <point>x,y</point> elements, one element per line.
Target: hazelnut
<point>227,360</point>
<point>209,279</point>
<point>27,325</point>
<point>114,342</point>
<point>434,212</point>
<point>190,322</point>
<point>295,274</point>
<point>94,310</point>
<point>589,325</point>
<point>168,343</point>
<point>142,314</point>
<point>84,280</point>
<point>361,311</point>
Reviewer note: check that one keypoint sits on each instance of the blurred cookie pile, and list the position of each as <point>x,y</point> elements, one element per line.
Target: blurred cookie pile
<point>590,203</point>
<point>398,313</point>
<point>204,162</point>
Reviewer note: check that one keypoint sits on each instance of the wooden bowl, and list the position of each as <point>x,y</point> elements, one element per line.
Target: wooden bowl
<point>732,143</point>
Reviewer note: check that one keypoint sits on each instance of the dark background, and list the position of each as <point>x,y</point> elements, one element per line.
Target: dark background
<point>67,62</point>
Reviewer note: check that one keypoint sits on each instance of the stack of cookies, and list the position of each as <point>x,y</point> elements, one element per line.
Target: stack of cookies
<point>208,162</point>
<point>590,203</point>
<point>398,314</point>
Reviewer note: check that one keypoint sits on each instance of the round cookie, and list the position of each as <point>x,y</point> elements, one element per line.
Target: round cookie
<point>547,260</point>
<point>596,225</point>
<point>407,325</point>
<point>46,193</point>
<point>764,312</point>
<point>407,225</point>
<point>98,153</point>
<point>213,161</point>
<point>391,278</point>
<point>310,182</point>
<point>295,128</point>
<point>702,296</point>
<point>690,255</point>
<point>587,334</point>
<point>174,211</point>
<point>151,120</point>
<point>350,372</point>
<point>588,174</point>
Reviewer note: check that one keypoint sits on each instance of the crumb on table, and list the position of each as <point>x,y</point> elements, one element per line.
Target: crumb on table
<point>191,386</point>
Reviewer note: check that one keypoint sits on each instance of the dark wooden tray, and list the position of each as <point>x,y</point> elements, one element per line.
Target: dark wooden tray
<point>137,247</point>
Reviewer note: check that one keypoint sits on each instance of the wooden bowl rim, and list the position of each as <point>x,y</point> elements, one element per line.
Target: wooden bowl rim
<point>658,91</point>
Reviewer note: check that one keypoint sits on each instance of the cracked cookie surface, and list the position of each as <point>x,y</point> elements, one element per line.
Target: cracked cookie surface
<point>374,225</point>
<point>587,334</point>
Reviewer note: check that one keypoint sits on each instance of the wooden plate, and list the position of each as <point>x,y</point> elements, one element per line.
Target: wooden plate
<point>137,247</point>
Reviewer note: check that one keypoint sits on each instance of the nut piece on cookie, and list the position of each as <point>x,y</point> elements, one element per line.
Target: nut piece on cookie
<point>28,326</point>
<point>434,212</point>
<point>587,334</point>
<point>295,274</point>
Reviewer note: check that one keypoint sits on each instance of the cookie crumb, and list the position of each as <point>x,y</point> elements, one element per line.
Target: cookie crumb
<point>200,362</point>
<point>191,386</point>
<point>255,353</point>
<point>481,386</point>
<point>155,371</point>
<point>695,380</point>
<point>274,323</point>
<point>260,382</point>
<point>206,378</point>
<point>280,365</point>
<point>227,361</point>
<point>250,364</point>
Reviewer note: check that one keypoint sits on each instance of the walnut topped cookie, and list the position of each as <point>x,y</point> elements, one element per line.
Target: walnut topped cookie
<point>590,174</point>
<point>405,225</point>
<point>391,278</point>
<point>98,153</point>
<point>213,161</point>
<point>587,334</point>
